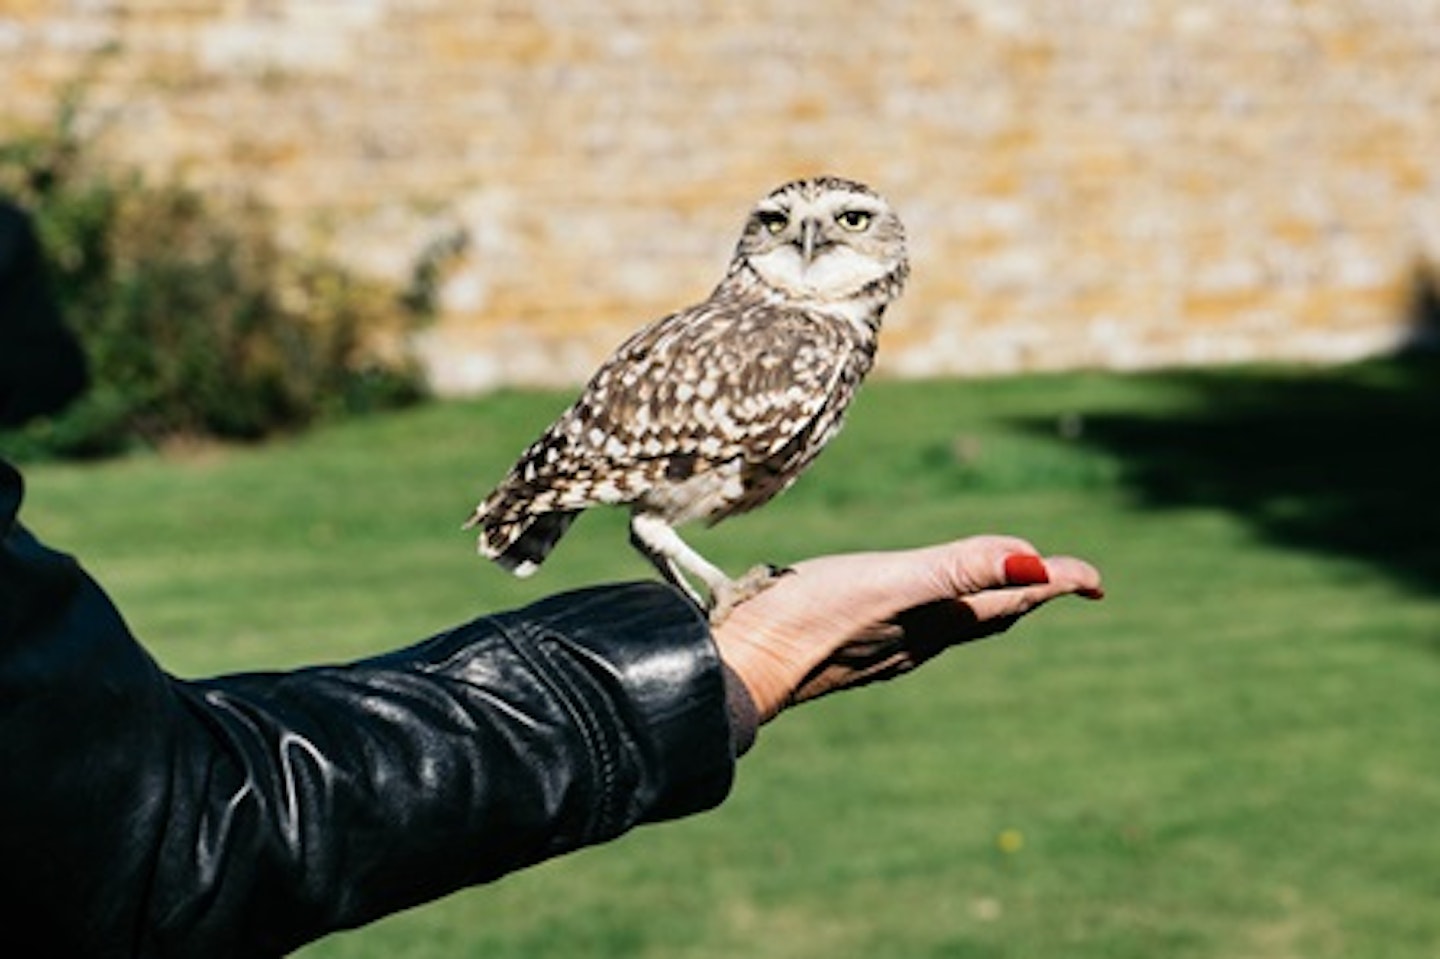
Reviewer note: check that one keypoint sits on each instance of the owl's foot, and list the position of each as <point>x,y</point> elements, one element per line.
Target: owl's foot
<point>736,591</point>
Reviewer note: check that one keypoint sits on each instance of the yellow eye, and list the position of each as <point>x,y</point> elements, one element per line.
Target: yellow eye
<point>853,220</point>
<point>773,220</point>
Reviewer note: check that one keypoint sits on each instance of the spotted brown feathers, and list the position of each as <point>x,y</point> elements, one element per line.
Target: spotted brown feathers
<point>715,409</point>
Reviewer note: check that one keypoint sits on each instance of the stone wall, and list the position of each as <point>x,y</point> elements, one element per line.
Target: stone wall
<point>1118,183</point>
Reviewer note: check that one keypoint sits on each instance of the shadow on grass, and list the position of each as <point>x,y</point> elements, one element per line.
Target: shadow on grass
<point>1344,461</point>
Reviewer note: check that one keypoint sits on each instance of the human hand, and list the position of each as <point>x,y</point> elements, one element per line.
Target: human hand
<point>837,622</point>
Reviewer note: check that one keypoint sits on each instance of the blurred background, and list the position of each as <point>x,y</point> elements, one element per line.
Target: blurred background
<point>1086,184</point>
<point>1173,308</point>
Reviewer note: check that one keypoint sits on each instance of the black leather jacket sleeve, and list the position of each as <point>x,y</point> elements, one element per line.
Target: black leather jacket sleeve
<point>246,815</point>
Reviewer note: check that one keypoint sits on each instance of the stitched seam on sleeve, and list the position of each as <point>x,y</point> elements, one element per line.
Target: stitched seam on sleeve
<point>539,656</point>
<point>602,757</point>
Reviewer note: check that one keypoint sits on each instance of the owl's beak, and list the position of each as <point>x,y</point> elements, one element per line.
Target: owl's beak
<point>809,234</point>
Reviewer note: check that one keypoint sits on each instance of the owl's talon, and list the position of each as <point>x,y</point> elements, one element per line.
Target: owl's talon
<point>736,591</point>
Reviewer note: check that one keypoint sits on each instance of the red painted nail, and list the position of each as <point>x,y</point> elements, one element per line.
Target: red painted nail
<point>1022,569</point>
<point>1096,593</point>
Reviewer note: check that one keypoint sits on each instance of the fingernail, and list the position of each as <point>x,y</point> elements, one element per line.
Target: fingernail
<point>1096,593</point>
<point>1023,569</point>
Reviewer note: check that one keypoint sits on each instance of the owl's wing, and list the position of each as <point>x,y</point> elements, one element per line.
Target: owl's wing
<point>719,382</point>
<point>696,389</point>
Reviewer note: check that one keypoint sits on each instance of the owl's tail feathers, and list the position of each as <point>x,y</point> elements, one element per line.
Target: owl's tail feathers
<point>521,544</point>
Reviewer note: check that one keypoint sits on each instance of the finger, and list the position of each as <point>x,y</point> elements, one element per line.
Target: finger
<point>1075,575</point>
<point>1067,576</point>
<point>968,565</point>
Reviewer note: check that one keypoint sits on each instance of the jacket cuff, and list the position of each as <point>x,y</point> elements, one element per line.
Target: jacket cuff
<point>654,670</point>
<point>744,714</point>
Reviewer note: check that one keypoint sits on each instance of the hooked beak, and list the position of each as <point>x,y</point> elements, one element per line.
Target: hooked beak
<point>809,232</point>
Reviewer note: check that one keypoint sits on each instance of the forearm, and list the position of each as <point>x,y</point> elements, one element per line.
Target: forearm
<point>249,814</point>
<point>332,796</point>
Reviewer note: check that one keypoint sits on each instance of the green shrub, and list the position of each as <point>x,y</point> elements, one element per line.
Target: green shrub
<point>195,320</point>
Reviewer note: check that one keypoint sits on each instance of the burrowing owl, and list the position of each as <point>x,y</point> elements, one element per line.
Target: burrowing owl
<point>715,409</point>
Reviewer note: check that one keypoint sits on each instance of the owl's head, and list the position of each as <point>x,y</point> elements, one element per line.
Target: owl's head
<point>825,239</point>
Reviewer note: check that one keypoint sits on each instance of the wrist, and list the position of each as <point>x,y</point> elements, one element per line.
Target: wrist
<point>766,666</point>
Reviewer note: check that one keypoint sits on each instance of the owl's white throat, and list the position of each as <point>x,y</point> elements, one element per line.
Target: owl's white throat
<point>836,274</point>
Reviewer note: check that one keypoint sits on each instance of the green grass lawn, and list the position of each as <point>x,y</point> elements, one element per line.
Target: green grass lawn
<point>1237,754</point>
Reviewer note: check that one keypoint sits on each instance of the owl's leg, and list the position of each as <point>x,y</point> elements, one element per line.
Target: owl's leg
<point>658,542</point>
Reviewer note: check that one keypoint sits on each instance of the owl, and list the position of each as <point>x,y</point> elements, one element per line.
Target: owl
<point>714,410</point>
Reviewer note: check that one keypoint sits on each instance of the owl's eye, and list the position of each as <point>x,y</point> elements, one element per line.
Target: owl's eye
<point>853,220</point>
<point>773,220</point>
